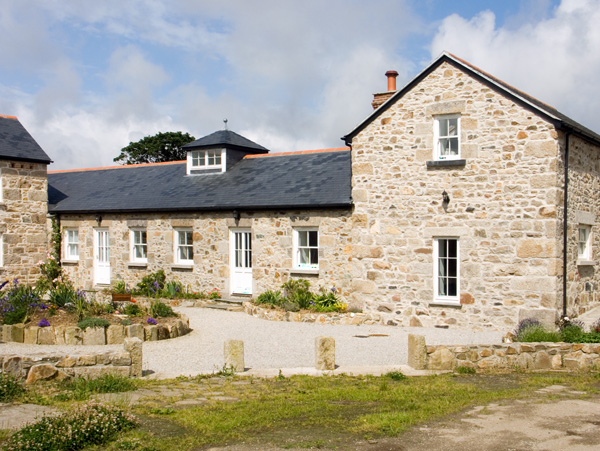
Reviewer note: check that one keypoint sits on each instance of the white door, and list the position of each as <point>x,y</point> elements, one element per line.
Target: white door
<point>241,261</point>
<point>101,257</point>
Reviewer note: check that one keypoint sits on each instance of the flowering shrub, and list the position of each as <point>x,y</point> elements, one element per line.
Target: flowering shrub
<point>151,321</point>
<point>10,387</point>
<point>43,323</point>
<point>91,424</point>
<point>18,303</point>
<point>161,310</point>
<point>297,296</point>
<point>214,294</point>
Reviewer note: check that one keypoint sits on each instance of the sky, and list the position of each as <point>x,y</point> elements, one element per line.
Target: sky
<point>86,78</point>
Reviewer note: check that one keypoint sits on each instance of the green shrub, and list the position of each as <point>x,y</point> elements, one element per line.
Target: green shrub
<point>119,287</point>
<point>90,424</point>
<point>161,310</point>
<point>64,293</point>
<point>270,297</point>
<point>10,387</point>
<point>92,322</point>
<point>80,388</point>
<point>132,309</point>
<point>152,284</point>
<point>537,333</point>
<point>466,370</point>
<point>126,322</point>
<point>18,303</point>
<point>173,289</point>
<point>572,333</point>
<point>396,376</point>
<point>327,301</point>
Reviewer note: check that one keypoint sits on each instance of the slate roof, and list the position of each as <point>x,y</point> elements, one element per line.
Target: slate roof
<point>295,180</point>
<point>226,138</point>
<point>551,114</point>
<point>17,144</point>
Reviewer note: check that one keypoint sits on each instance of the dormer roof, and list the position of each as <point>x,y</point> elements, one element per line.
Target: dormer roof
<point>228,140</point>
<point>17,144</point>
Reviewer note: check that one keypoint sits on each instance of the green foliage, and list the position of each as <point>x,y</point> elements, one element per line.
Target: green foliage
<point>214,294</point>
<point>90,424</point>
<point>173,288</point>
<point>537,333</point>
<point>126,322</point>
<point>132,309</point>
<point>396,376</point>
<point>327,301</point>
<point>10,387</point>
<point>161,310</point>
<point>466,370</point>
<point>80,388</point>
<point>298,292</point>
<point>64,293</point>
<point>92,322</point>
<point>119,287</point>
<point>270,297</point>
<point>572,333</point>
<point>152,284</point>
<point>164,146</point>
<point>18,303</point>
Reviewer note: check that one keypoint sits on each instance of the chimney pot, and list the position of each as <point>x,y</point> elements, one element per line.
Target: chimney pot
<point>391,77</point>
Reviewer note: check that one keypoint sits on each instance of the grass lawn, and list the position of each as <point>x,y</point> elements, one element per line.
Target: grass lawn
<point>306,412</point>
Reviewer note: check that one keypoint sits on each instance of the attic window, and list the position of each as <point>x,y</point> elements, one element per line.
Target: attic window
<point>201,160</point>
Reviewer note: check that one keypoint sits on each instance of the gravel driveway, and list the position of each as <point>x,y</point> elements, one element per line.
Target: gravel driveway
<point>270,345</point>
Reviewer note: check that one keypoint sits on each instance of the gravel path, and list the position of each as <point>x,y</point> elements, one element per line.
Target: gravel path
<point>285,345</point>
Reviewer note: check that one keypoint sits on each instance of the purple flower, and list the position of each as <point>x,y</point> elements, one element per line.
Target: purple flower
<point>151,321</point>
<point>43,323</point>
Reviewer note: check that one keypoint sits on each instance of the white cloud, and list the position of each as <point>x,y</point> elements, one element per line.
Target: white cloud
<point>556,60</point>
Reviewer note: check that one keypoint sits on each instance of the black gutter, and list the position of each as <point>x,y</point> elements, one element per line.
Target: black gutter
<point>565,223</point>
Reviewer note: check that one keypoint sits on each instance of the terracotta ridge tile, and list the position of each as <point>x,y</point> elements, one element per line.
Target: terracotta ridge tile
<point>298,152</point>
<point>8,117</point>
<point>117,167</point>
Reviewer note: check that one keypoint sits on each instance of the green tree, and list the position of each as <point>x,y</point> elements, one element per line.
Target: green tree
<point>164,146</point>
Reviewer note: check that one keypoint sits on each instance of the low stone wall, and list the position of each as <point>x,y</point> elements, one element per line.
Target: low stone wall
<point>73,335</point>
<point>312,317</point>
<point>59,366</point>
<point>526,356</point>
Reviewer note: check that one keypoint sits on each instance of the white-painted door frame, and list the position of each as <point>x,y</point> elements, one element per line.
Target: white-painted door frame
<point>240,261</point>
<point>101,257</point>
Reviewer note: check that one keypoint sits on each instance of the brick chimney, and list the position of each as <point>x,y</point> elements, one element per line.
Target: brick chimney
<point>380,97</point>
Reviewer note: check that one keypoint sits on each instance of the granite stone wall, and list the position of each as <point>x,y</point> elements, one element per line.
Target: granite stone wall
<point>23,210</point>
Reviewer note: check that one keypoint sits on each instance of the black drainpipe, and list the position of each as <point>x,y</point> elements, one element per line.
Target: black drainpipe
<point>565,223</point>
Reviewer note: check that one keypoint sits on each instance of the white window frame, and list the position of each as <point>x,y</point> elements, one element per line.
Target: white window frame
<point>71,248</point>
<point>584,243</point>
<point>135,244</point>
<point>437,137</point>
<point>298,262</point>
<point>178,245</point>
<point>440,298</point>
<point>1,250</point>
<point>200,160</point>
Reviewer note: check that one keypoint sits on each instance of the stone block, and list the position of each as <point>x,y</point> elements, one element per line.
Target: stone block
<point>173,331</point>
<point>120,359</point>
<point>541,149</point>
<point>325,353</point>
<point>94,336</point>
<point>73,336</point>
<point>163,333</point>
<point>536,248</point>
<point>7,333</point>
<point>546,317</point>
<point>150,333</point>
<point>67,362</point>
<point>30,335</point>
<point>134,347</point>
<point>417,352</point>
<point>542,361</point>
<point>46,336</point>
<point>557,362</point>
<point>135,331</point>
<point>442,359</point>
<point>44,372</point>
<point>59,331</point>
<point>94,372</point>
<point>234,355</point>
<point>13,365</point>
<point>17,333</point>
<point>182,328</point>
<point>85,360</point>
<point>115,334</point>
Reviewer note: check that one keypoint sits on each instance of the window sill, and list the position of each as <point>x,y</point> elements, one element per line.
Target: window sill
<point>69,262</point>
<point>445,303</point>
<point>182,266</point>
<point>586,262</point>
<point>446,163</point>
<point>304,271</point>
<point>137,264</point>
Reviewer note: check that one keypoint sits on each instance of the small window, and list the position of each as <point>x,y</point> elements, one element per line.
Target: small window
<point>205,159</point>
<point>584,251</point>
<point>447,137</point>
<point>71,244</point>
<point>446,270</point>
<point>306,248</point>
<point>139,246</point>
<point>184,247</point>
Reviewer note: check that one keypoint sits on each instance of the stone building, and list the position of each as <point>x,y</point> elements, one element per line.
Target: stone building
<point>446,210</point>
<point>23,202</point>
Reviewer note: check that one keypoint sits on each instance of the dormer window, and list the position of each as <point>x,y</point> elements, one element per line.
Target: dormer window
<point>206,161</point>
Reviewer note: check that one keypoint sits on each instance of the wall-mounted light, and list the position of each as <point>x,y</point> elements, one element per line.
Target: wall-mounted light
<point>98,220</point>
<point>445,200</point>
<point>236,216</point>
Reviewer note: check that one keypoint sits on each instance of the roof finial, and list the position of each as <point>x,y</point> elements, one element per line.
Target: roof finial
<point>225,122</point>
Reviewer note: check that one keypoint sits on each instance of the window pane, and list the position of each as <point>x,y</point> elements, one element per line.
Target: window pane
<point>442,267</point>
<point>302,238</point>
<point>452,287</point>
<point>442,248</point>
<point>452,267</point>
<point>451,248</point>
<point>314,256</point>
<point>443,127</point>
<point>303,255</point>
<point>313,239</point>
<point>452,127</point>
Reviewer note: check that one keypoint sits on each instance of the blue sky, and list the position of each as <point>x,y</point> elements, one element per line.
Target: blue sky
<point>86,78</point>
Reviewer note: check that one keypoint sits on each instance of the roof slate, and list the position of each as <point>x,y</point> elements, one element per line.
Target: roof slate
<point>226,138</point>
<point>17,144</point>
<point>314,180</point>
<point>550,113</point>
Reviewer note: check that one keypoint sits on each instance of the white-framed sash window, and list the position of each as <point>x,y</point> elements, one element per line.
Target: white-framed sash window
<point>447,137</point>
<point>306,248</point>
<point>138,239</point>
<point>584,237</point>
<point>446,276</point>
<point>71,244</point>
<point>184,246</point>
